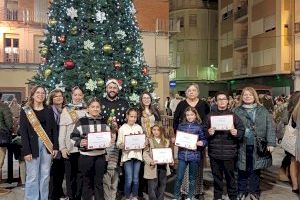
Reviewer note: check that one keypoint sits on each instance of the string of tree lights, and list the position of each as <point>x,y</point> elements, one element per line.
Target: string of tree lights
<point>89,42</point>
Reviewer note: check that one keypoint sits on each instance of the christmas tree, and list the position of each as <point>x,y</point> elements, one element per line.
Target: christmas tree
<point>89,42</point>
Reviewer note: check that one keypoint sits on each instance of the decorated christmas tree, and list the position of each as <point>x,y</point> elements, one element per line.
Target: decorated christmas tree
<point>89,42</point>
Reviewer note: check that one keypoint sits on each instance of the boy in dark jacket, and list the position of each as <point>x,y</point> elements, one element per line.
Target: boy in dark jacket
<point>223,144</point>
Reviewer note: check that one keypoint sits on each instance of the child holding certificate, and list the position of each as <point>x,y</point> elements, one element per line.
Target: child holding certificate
<point>92,162</point>
<point>131,141</point>
<point>190,157</point>
<point>157,173</point>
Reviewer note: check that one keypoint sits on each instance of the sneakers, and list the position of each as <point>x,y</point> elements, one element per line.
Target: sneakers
<point>254,197</point>
<point>241,196</point>
<point>4,191</point>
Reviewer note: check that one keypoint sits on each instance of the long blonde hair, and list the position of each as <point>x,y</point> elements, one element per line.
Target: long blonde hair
<point>296,112</point>
<point>253,92</point>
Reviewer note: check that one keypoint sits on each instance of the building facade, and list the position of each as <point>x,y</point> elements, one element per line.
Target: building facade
<point>296,51</point>
<point>22,25</point>
<point>256,43</point>
<point>195,47</point>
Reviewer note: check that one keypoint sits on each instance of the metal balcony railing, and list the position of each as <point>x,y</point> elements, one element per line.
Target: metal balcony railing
<point>24,15</point>
<point>297,27</point>
<point>240,42</point>
<point>167,26</point>
<point>22,56</point>
<point>193,4</point>
<point>241,12</point>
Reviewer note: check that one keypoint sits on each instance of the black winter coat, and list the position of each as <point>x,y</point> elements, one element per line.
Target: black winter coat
<point>30,144</point>
<point>222,145</point>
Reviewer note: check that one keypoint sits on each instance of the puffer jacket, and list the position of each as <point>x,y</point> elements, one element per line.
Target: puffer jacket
<point>222,145</point>
<point>193,128</point>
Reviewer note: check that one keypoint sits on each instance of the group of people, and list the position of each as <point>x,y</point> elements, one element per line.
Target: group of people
<point>55,146</point>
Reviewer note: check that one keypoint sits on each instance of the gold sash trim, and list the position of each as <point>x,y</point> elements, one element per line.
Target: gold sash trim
<point>73,114</point>
<point>37,127</point>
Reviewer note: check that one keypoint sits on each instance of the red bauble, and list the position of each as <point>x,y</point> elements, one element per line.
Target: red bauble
<point>117,65</point>
<point>69,64</point>
<point>62,39</point>
<point>145,70</point>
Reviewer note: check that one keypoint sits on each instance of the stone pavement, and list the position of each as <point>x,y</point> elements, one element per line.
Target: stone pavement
<point>272,189</point>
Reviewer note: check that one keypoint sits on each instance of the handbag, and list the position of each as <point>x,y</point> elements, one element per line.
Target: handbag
<point>5,137</point>
<point>261,143</point>
<point>288,142</point>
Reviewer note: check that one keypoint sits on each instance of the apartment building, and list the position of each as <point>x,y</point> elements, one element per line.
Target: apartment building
<point>256,44</point>
<point>195,47</point>
<point>22,25</point>
<point>153,20</point>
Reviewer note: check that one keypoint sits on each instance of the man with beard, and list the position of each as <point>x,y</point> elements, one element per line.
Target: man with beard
<point>113,112</point>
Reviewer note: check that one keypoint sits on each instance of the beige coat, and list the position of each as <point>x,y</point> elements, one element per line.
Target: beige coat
<point>150,172</point>
<point>66,128</point>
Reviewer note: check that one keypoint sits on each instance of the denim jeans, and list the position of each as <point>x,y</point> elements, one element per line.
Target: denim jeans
<point>132,169</point>
<point>38,175</point>
<point>249,180</point>
<point>157,186</point>
<point>193,170</point>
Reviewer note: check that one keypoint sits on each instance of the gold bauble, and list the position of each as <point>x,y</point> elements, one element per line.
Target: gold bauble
<point>128,50</point>
<point>44,51</point>
<point>133,82</point>
<point>47,72</point>
<point>107,48</point>
<point>100,82</point>
<point>52,22</point>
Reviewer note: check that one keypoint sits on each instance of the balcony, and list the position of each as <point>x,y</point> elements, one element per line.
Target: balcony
<point>241,43</point>
<point>170,26</point>
<point>164,64</point>
<point>241,14</point>
<point>227,15</point>
<point>297,27</point>
<point>193,4</point>
<point>19,56</point>
<point>25,16</point>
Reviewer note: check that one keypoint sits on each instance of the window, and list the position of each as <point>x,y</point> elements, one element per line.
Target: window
<point>269,23</point>
<point>264,57</point>
<point>226,39</point>
<point>193,20</point>
<point>12,10</point>
<point>227,12</point>
<point>181,20</point>
<point>11,49</point>
<point>226,65</point>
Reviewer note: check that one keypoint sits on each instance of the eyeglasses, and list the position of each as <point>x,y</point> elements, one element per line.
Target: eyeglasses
<point>146,98</point>
<point>222,99</point>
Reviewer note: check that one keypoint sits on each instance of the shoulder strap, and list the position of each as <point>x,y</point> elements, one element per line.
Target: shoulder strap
<point>37,127</point>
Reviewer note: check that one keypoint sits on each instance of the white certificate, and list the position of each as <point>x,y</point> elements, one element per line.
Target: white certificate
<point>162,155</point>
<point>135,141</point>
<point>186,140</point>
<point>99,140</point>
<point>221,122</point>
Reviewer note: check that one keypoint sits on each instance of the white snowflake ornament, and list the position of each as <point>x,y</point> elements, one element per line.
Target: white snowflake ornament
<point>134,98</point>
<point>120,34</point>
<point>100,16</point>
<point>53,39</point>
<point>60,86</point>
<point>91,85</point>
<point>72,12</point>
<point>88,45</point>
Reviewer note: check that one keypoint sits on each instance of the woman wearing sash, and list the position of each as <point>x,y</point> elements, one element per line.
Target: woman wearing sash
<point>39,140</point>
<point>56,100</point>
<point>68,118</point>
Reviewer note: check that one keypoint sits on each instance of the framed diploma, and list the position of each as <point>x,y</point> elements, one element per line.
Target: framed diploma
<point>135,141</point>
<point>221,122</point>
<point>162,155</point>
<point>99,140</point>
<point>186,140</point>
